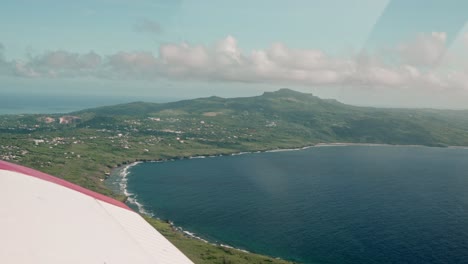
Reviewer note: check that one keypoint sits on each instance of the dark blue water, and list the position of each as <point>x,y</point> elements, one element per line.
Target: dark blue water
<point>355,204</point>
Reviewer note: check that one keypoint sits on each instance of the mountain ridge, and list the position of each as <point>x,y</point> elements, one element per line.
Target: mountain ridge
<point>284,93</point>
<point>313,118</point>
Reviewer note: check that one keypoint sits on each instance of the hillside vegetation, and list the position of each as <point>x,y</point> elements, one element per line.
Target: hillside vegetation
<point>83,147</point>
<point>289,114</point>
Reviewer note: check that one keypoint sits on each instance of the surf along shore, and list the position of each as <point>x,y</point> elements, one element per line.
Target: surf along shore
<point>118,183</point>
<point>195,247</point>
<point>119,177</point>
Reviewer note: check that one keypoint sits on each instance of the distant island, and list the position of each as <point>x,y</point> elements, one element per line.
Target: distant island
<point>85,146</point>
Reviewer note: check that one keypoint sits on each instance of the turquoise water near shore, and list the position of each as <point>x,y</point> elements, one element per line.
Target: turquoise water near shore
<point>353,204</point>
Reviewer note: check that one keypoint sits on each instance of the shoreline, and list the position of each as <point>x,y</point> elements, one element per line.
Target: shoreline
<point>123,171</point>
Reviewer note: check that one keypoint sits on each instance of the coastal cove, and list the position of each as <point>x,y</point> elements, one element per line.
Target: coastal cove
<point>87,148</point>
<point>289,204</point>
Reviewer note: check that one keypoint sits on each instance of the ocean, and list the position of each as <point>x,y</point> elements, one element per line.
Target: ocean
<point>338,204</point>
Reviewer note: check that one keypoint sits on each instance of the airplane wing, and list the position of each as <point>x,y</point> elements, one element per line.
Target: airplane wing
<point>44,219</point>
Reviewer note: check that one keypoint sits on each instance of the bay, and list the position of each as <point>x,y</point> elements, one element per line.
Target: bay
<point>347,204</point>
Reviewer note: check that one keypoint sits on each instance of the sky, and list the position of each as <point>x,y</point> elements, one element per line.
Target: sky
<point>389,53</point>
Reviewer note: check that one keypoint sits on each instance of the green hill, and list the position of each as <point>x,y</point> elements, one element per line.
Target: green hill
<point>86,148</point>
<point>310,118</point>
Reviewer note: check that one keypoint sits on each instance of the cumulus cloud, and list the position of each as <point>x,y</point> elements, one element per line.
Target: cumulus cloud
<point>59,63</point>
<point>425,50</point>
<point>226,61</point>
<point>148,26</point>
<point>131,65</point>
<point>281,64</point>
<point>278,64</point>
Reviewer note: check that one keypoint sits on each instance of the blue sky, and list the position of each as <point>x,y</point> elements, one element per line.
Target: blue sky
<point>355,51</point>
<point>107,26</point>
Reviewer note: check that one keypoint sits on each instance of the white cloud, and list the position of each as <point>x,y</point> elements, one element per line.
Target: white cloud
<point>278,64</point>
<point>184,55</point>
<point>23,70</point>
<point>425,49</point>
<point>66,60</point>
<point>59,63</point>
<point>130,65</point>
<point>228,52</point>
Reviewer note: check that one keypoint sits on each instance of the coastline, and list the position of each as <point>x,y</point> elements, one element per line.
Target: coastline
<point>123,172</point>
